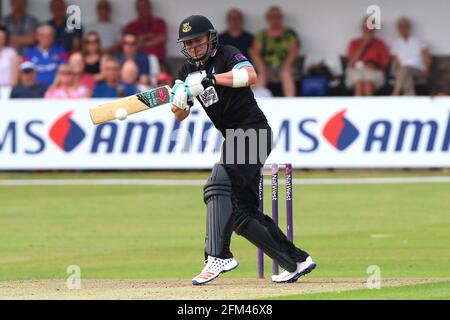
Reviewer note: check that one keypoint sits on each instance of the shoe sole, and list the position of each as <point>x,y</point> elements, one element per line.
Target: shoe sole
<point>196,283</point>
<point>310,268</point>
<point>303,273</point>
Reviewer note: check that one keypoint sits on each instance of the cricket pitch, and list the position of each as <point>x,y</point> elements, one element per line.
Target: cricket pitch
<point>182,289</point>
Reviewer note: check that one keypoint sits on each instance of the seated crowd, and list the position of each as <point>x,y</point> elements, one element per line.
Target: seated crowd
<point>101,60</point>
<point>104,60</point>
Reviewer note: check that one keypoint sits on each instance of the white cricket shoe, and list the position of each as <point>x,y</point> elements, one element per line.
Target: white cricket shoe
<point>303,268</point>
<point>213,268</point>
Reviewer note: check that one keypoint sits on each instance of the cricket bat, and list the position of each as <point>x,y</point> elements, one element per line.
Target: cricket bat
<point>132,104</point>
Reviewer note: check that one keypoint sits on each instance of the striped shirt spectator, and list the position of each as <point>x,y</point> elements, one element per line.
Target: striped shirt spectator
<point>21,26</point>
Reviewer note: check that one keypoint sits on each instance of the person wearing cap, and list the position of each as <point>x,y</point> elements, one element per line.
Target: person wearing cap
<point>220,78</point>
<point>28,87</point>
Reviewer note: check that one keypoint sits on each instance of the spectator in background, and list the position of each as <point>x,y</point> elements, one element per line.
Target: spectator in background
<point>93,56</point>
<point>129,74</point>
<point>130,52</point>
<point>235,35</point>
<point>274,53</point>
<point>46,56</point>
<point>76,62</point>
<point>65,86</point>
<point>164,79</point>
<point>28,87</point>
<point>21,26</point>
<point>151,31</point>
<point>9,61</point>
<point>69,39</point>
<point>108,31</point>
<point>113,87</point>
<point>412,60</point>
<point>368,60</point>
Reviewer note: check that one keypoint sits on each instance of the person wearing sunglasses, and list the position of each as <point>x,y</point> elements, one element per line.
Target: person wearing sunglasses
<point>130,52</point>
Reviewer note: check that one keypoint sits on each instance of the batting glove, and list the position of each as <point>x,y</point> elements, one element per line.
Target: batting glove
<point>179,96</point>
<point>197,82</point>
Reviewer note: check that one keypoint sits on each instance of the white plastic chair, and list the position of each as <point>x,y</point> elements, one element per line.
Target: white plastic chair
<point>5,92</point>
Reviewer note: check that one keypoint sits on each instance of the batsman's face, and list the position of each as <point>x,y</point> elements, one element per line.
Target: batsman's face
<point>197,47</point>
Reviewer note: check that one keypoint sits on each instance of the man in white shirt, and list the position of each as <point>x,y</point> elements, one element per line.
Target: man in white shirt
<point>109,32</point>
<point>412,60</point>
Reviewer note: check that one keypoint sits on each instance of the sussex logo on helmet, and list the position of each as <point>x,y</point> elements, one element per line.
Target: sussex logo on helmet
<point>187,27</point>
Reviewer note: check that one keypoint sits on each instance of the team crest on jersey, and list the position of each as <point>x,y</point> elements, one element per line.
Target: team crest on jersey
<point>186,27</point>
<point>208,97</point>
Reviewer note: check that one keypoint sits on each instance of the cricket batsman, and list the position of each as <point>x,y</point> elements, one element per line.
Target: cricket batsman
<point>219,77</point>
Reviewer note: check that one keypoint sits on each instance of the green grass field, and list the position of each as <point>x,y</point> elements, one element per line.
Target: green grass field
<point>157,232</point>
<point>434,291</point>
